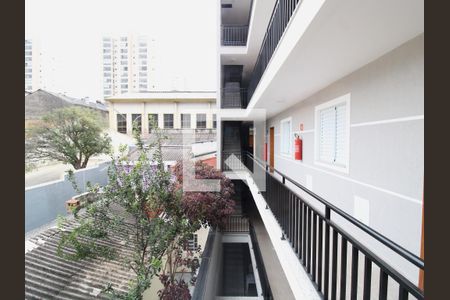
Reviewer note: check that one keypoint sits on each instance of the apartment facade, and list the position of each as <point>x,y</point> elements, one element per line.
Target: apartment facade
<point>171,110</point>
<point>128,64</point>
<point>33,71</point>
<point>321,122</point>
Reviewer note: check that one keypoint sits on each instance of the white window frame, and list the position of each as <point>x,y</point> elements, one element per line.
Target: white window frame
<point>335,102</point>
<point>286,154</point>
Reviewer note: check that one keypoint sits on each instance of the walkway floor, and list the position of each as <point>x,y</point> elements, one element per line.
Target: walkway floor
<point>275,274</point>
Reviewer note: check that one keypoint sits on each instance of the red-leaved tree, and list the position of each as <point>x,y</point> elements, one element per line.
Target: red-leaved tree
<point>209,208</point>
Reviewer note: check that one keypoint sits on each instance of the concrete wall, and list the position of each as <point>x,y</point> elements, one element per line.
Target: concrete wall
<point>44,202</point>
<point>386,163</point>
<point>161,108</point>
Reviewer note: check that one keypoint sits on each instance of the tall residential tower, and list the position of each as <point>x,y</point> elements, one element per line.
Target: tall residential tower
<point>127,65</point>
<point>33,76</point>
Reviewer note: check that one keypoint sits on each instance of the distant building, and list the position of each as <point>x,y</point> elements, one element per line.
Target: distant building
<point>170,109</point>
<point>127,65</point>
<point>33,71</point>
<point>41,102</point>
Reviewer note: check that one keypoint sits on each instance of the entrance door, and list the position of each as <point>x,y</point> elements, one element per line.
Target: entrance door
<point>272,148</point>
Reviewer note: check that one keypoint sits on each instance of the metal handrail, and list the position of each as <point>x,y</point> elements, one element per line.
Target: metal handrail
<point>234,35</point>
<point>281,15</point>
<point>406,254</point>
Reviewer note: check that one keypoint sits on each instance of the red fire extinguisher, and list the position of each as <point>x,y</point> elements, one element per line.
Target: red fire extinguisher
<point>298,147</point>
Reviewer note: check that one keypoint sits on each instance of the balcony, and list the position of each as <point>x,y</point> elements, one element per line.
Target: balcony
<point>232,35</point>
<point>234,97</point>
<point>329,254</point>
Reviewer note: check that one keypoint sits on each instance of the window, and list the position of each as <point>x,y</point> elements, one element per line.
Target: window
<point>122,123</point>
<point>142,56</point>
<point>201,120</point>
<point>185,120</point>
<point>192,242</point>
<point>286,136</point>
<point>143,68</point>
<point>124,86</point>
<point>168,120</point>
<point>152,121</point>
<point>332,133</point>
<point>137,122</point>
<point>214,121</point>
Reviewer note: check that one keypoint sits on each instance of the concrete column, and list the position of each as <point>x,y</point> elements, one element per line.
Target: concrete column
<point>129,125</point>
<point>112,117</point>
<point>144,118</point>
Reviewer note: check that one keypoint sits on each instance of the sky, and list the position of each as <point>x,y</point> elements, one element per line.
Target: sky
<point>70,35</point>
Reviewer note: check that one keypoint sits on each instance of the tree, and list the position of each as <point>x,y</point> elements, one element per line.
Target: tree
<point>70,135</point>
<point>152,216</point>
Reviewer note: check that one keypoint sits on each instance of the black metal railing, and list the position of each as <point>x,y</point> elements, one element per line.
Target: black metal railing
<point>202,275</point>
<point>236,223</point>
<point>232,160</point>
<point>234,98</point>
<point>266,291</point>
<point>233,35</point>
<point>281,15</point>
<point>314,237</point>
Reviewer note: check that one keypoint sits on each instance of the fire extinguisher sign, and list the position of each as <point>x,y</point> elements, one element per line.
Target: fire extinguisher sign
<point>301,126</point>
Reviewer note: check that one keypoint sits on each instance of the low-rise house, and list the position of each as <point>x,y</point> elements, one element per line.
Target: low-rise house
<point>168,109</point>
<point>41,102</point>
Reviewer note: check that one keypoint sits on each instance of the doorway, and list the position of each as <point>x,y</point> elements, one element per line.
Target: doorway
<point>272,148</point>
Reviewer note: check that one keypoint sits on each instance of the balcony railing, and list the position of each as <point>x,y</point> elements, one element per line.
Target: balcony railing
<point>309,231</point>
<point>234,35</point>
<point>281,16</point>
<point>236,223</point>
<point>234,98</point>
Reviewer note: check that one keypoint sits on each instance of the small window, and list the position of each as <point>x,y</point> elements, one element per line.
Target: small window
<point>286,136</point>
<point>122,123</point>
<point>137,122</point>
<point>185,120</point>
<point>168,121</point>
<point>214,121</point>
<point>201,120</point>
<point>152,121</point>
<point>192,242</point>
<point>332,133</point>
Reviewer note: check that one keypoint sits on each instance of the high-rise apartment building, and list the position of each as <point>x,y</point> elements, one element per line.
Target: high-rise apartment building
<point>33,73</point>
<point>126,65</point>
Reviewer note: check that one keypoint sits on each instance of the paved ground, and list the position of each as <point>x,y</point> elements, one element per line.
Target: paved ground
<point>56,171</point>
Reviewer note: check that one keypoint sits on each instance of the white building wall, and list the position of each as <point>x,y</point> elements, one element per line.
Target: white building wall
<point>161,108</point>
<point>386,163</point>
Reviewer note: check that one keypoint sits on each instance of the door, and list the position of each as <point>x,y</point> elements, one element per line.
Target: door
<point>272,148</point>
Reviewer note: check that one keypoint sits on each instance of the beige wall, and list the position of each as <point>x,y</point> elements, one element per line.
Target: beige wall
<point>161,108</point>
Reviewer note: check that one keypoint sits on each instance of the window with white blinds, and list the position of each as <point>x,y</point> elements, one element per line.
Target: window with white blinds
<point>285,134</point>
<point>332,132</point>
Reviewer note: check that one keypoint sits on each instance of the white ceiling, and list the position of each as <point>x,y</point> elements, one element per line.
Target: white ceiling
<point>238,14</point>
<point>343,36</point>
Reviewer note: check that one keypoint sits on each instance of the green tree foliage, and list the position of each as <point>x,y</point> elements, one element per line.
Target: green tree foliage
<point>142,204</point>
<point>70,135</point>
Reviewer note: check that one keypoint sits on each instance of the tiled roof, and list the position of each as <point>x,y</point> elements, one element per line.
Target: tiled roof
<point>172,147</point>
<point>48,276</point>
